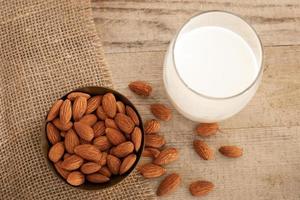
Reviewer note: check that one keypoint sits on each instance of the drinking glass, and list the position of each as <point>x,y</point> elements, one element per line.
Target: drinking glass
<point>199,106</point>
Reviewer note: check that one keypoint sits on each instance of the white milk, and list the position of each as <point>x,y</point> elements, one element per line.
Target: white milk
<point>211,72</point>
<point>215,61</point>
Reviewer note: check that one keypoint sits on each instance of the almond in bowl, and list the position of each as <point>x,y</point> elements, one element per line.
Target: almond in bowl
<point>93,138</point>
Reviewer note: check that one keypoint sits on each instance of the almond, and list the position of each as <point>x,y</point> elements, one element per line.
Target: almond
<point>124,122</point>
<point>201,188</point>
<point>79,108</point>
<point>161,111</point>
<point>123,149</point>
<point>103,159</point>
<point>152,126</point>
<point>88,152</point>
<point>61,171</point>
<point>82,141</point>
<point>150,152</point>
<point>56,152</point>
<point>133,115</point>
<point>110,123</point>
<point>113,164</point>
<point>99,128</point>
<point>168,185</point>
<point>63,133</point>
<point>109,105</point>
<point>72,96</point>
<point>136,138</point>
<point>155,141</point>
<point>65,112</point>
<point>97,178</point>
<point>89,119</point>
<point>127,163</point>
<point>75,178</point>
<point>100,113</point>
<point>141,88</point>
<point>102,143</point>
<point>71,141</point>
<point>84,131</point>
<point>93,103</point>
<point>207,129</point>
<point>114,136</point>
<point>54,110</point>
<point>90,167</point>
<point>120,107</point>
<point>105,171</point>
<point>61,126</point>
<point>151,170</point>
<point>166,156</point>
<point>231,151</point>
<point>53,134</point>
<point>66,155</point>
<point>203,150</point>
<point>72,162</point>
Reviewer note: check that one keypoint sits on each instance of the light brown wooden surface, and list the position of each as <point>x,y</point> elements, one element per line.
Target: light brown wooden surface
<point>136,33</point>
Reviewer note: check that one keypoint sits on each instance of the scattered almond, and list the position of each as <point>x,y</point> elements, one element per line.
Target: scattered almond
<point>109,105</point>
<point>72,96</point>
<point>114,136</point>
<point>168,185</point>
<point>203,150</point>
<point>90,167</point>
<point>151,170</point>
<point>97,178</point>
<point>231,151</point>
<point>207,129</point>
<point>113,164</point>
<point>53,134</point>
<point>93,103</point>
<point>127,163</point>
<point>56,152</point>
<point>152,126</point>
<point>102,143</point>
<point>71,141</point>
<point>88,152</point>
<point>201,188</point>
<point>155,141</point>
<point>54,110</point>
<point>75,178</point>
<point>150,152</point>
<point>89,119</point>
<point>84,131</point>
<point>166,156</point>
<point>161,111</point>
<point>136,138</point>
<point>72,162</point>
<point>124,122</point>
<point>120,107</point>
<point>65,112</point>
<point>141,88</point>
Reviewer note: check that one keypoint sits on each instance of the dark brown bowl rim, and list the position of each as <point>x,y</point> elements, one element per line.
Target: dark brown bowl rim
<point>45,144</point>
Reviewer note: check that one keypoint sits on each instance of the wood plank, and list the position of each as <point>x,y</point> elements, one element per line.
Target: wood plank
<point>129,26</point>
<point>277,102</point>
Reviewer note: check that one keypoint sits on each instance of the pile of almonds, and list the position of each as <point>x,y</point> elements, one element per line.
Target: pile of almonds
<point>154,148</point>
<point>92,138</point>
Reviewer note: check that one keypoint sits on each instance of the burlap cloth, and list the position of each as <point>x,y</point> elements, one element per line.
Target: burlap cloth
<point>47,48</point>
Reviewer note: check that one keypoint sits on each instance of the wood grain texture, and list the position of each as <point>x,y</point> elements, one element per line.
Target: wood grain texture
<point>136,34</point>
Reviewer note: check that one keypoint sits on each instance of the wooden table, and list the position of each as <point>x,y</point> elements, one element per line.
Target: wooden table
<point>136,34</point>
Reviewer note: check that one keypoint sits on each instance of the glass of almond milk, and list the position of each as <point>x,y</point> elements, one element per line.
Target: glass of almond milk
<point>213,66</point>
